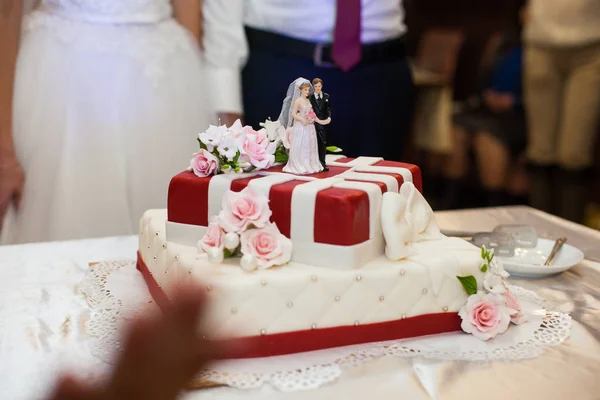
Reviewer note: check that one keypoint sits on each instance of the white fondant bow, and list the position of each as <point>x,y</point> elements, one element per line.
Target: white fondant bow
<point>406,217</point>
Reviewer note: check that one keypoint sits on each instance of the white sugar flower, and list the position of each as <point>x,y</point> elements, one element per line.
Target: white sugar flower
<point>228,147</point>
<point>236,128</point>
<point>494,283</point>
<point>213,136</point>
<point>497,268</point>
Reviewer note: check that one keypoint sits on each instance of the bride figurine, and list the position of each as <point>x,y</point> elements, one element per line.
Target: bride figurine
<point>298,117</point>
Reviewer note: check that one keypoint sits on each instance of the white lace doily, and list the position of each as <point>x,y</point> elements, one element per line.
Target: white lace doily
<point>116,293</point>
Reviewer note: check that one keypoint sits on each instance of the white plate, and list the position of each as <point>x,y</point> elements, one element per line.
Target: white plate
<point>528,262</point>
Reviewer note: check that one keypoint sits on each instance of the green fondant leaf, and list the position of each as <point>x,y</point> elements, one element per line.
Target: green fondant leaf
<point>333,149</point>
<point>281,158</point>
<point>469,283</point>
<point>236,157</point>
<point>484,268</point>
<point>252,168</point>
<point>202,145</point>
<point>227,253</point>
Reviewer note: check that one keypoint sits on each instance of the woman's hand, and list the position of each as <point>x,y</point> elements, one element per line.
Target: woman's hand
<point>12,181</point>
<point>498,102</point>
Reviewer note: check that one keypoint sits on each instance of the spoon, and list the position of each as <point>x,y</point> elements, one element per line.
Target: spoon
<point>557,246</point>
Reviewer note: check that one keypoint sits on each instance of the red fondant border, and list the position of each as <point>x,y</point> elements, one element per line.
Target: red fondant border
<point>318,339</point>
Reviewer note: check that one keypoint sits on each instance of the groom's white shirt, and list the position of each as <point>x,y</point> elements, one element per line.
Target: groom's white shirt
<point>225,46</point>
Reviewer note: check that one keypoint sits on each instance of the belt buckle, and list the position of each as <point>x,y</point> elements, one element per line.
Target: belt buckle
<point>318,57</point>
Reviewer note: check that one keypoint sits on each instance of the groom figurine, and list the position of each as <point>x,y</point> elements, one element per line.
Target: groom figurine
<point>320,104</point>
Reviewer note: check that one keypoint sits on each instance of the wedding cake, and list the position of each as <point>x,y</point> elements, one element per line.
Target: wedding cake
<point>294,263</point>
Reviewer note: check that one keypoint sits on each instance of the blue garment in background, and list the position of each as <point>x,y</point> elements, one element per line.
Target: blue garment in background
<point>507,75</point>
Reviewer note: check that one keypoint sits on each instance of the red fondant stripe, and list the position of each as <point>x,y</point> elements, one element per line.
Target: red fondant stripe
<point>324,338</point>
<point>341,215</point>
<point>187,201</point>
<point>414,170</point>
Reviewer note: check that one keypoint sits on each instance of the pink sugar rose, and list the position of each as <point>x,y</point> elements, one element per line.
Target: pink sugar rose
<point>204,164</point>
<point>485,315</point>
<point>512,303</point>
<point>267,245</point>
<point>258,150</point>
<point>213,237</point>
<point>242,209</point>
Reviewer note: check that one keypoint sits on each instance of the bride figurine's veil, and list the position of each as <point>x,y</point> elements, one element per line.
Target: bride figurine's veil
<point>293,93</point>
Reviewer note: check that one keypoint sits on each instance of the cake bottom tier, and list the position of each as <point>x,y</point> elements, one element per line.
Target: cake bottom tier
<point>298,308</point>
<point>324,338</point>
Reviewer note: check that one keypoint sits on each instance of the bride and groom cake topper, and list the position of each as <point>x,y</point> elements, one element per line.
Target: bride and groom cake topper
<point>306,114</point>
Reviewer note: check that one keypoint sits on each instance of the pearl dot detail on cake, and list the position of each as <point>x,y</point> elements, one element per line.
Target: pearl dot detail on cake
<point>290,304</point>
<point>176,258</point>
<point>356,323</point>
<point>156,233</point>
<point>359,278</point>
<point>263,332</point>
<point>445,308</point>
<point>337,298</point>
<point>381,298</point>
<point>263,282</point>
<point>248,263</point>
<point>155,257</point>
<point>402,272</point>
<point>234,310</point>
<point>424,291</point>
<point>164,246</point>
<point>403,316</point>
<point>313,278</point>
<point>313,326</point>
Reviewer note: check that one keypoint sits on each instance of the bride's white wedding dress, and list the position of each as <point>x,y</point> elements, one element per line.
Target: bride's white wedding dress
<point>108,100</point>
<point>304,148</point>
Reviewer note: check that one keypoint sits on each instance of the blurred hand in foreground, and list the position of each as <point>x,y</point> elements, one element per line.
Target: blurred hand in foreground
<point>161,354</point>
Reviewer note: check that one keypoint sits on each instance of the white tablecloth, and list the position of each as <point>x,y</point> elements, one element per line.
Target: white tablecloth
<point>42,327</point>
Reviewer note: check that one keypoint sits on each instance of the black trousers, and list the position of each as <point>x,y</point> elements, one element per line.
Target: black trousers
<point>322,134</point>
<point>371,104</point>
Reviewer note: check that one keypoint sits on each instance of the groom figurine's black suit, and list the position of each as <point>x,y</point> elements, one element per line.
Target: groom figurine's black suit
<point>322,108</point>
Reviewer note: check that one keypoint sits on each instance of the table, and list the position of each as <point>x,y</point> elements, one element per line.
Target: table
<point>42,327</point>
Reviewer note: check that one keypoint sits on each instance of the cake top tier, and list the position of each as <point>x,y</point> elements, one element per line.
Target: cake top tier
<point>332,217</point>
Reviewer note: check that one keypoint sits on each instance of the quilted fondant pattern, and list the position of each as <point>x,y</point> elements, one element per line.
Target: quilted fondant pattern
<point>300,297</point>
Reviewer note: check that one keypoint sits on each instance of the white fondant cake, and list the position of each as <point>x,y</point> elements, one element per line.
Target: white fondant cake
<point>297,263</point>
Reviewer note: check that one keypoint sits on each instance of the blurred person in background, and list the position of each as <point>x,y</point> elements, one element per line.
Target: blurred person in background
<point>492,126</point>
<point>108,96</point>
<point>562,95</point>
<point>256,47</point>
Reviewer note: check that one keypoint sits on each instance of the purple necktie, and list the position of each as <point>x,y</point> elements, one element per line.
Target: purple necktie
<point>346,50</point>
